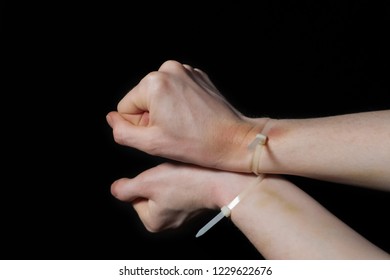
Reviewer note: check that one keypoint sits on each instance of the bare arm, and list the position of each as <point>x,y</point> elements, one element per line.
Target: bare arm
<point>177,113</point>
<point>292,225</point>
<point>352,148</point>
<point>289,223</point>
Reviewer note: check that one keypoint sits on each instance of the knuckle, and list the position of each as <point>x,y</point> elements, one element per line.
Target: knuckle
<point>153,226</point>
<point>119,136</point>
<point>156,82</point>
<point>172,66</point>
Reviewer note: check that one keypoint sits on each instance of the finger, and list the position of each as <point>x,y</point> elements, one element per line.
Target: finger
<point>124,190</point>
<point>137,119</point>
<point>128,190</point>
<point>139,99</point>
<point>134,102</point>
<point>143,185</point>
<point>203,74</point>
<point>134,119</point>
<point>194,74</point>
<point>141,206</point>
<point>205,78</point>
<point>172,67</point>
<point>188,67</point>
<point>126,131</point>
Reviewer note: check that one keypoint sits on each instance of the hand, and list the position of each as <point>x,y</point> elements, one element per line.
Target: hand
<point>177,113</point>
<point>168,195</point>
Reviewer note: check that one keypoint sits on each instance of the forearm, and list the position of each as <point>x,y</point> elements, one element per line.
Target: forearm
<point>292,225</point>
<point>352,149</point>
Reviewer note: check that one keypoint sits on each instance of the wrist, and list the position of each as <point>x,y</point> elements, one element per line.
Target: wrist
<point>242,157</point>
<point>227,187</point>
<point>233,184</point>
<point>254,198</point>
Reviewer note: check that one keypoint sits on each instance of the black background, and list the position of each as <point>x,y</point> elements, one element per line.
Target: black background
<point>66,65</point>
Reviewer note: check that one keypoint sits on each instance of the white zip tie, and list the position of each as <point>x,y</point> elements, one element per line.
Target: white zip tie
<point>259,141</point>
<point>257,144</point>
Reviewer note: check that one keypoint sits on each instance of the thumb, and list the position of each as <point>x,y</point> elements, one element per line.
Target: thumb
<point>127,130</point>
<point>128,190</point>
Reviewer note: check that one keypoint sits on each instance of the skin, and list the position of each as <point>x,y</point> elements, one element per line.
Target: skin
<point>289,223</point>
<point>177,113</point>
<point>206,130</point>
